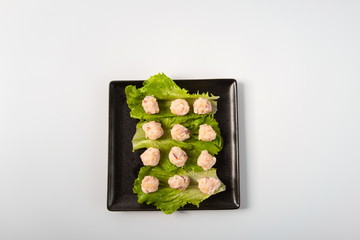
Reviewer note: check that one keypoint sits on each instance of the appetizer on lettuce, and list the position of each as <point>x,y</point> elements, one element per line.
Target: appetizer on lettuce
<point>180,137</point>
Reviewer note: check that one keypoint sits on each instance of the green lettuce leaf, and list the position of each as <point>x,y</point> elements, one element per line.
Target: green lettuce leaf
<point>164,90</point>
<point>168,199</point>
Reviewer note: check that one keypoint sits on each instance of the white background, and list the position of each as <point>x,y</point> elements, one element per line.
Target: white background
<point>297,62</point>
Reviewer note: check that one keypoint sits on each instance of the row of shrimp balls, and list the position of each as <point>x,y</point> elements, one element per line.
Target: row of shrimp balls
<point>153,131</point>
<point>178,107</point>
<point>207,185</point>
<point>178,157</point>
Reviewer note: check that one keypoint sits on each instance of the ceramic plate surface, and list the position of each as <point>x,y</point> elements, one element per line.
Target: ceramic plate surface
<point>124,165</point>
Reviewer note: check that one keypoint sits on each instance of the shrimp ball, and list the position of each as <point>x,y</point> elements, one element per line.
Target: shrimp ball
<point>206,133</point>
<point>177,156</point>
<point>179,182</point>
<point>150,105</point>
<point>208,185</point>
<point>149,184</point>
<point>202,106</point>
<point>150,157</point>
<point>206,160</point>
<point>179,107</point>
<point>153,130</point>
<point>180,133</point>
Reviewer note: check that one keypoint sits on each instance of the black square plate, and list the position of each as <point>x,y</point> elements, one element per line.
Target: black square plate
<point>124,164</point>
